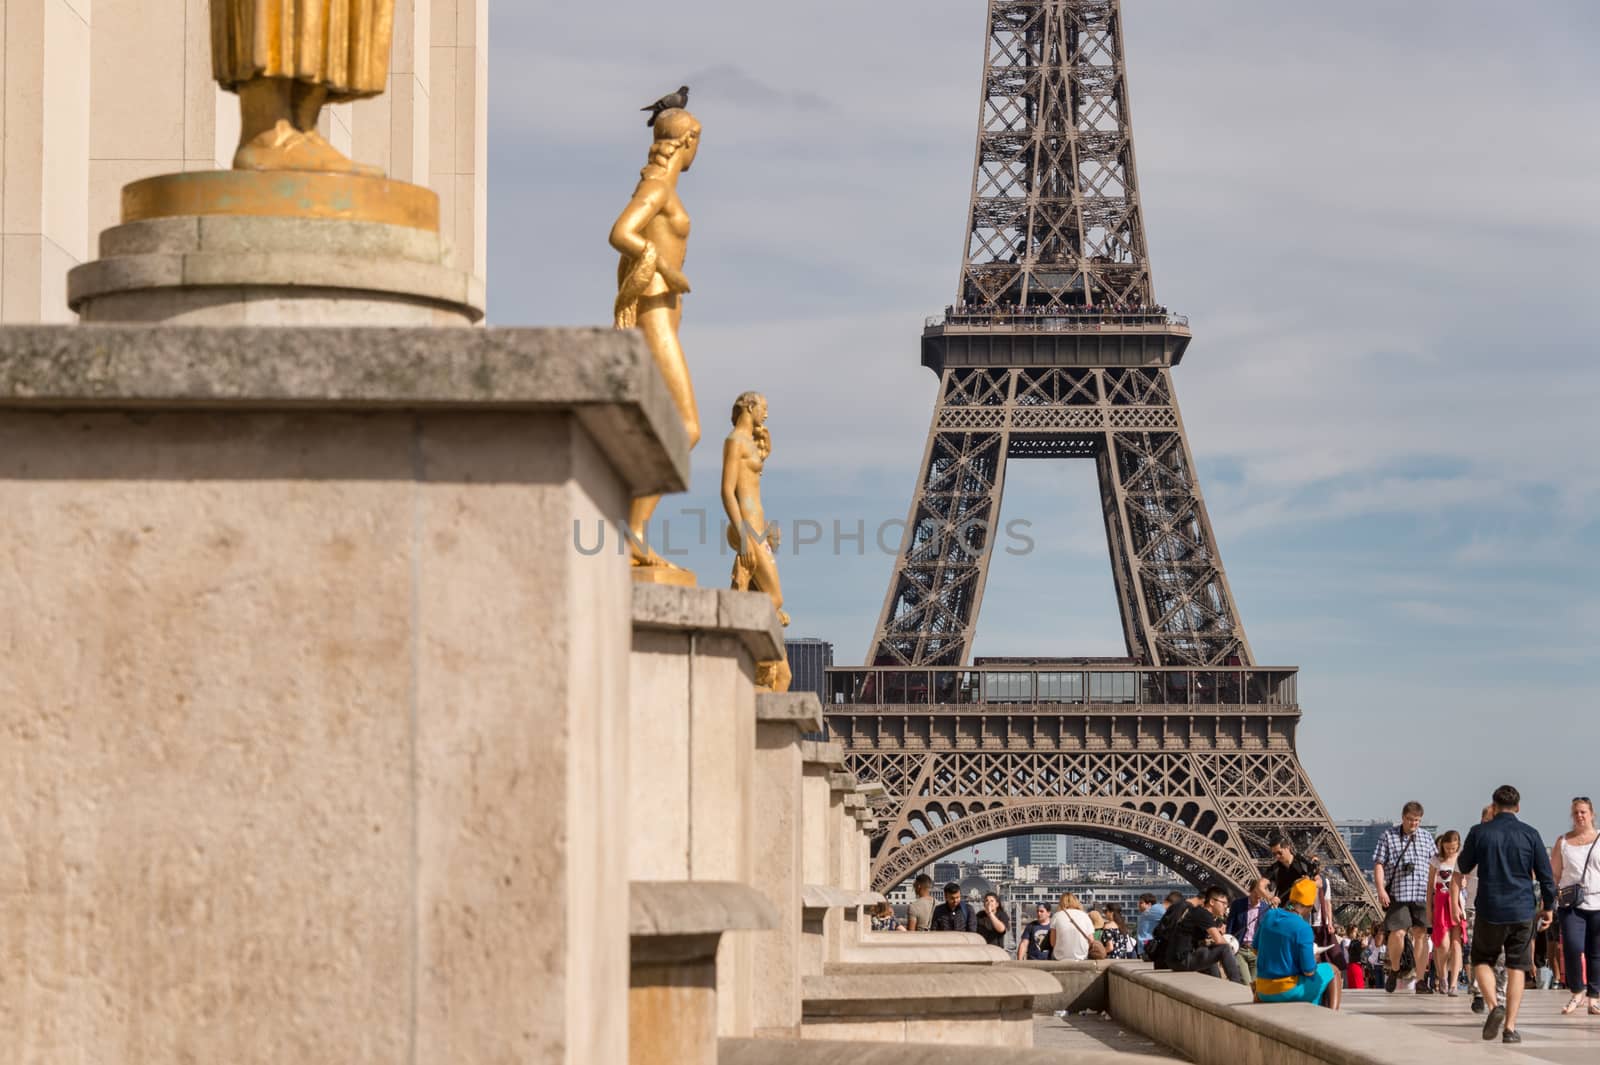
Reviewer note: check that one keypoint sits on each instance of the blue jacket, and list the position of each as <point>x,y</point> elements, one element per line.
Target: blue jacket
<point>1284,946</point>
<point>1508,856</point>
<point>1239,918</point>
<point>1148,921</point>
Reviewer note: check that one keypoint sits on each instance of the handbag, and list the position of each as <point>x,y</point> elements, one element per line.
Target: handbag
<point>1569,897</point>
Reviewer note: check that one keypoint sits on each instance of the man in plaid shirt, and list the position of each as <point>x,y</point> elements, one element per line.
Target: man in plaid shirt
<point>1401,870</point>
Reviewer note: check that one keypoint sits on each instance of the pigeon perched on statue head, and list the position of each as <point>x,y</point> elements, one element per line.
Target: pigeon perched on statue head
<point>667,103</point>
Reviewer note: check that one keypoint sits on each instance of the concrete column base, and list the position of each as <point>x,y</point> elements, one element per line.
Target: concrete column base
<point>242,270</point>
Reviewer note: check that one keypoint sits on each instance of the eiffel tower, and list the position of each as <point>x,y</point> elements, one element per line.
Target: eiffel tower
<point>1056,348</point>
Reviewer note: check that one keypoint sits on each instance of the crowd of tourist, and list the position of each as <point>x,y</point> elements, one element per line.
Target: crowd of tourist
<point>1492,912</point>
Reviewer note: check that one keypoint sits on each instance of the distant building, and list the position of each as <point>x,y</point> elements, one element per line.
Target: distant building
<point>1362,838</point>
<point>808,657</point>
<point>944,872</point>
<point>1034,850</point>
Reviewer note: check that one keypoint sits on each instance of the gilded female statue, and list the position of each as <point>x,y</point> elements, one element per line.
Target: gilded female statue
<point>652,235</point>
<point>285,59</point>
<point>744,458</point>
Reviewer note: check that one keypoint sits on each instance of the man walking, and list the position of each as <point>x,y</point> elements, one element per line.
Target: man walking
<point>1244,919</point>
<point>919,915</point>
<point>1289,868</point>
<point>1506,854</point>
<point>1287,968</point>
<point>953,915</point>
<point>1402,860</point>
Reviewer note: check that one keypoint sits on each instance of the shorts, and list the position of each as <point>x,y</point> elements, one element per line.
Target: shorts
<point>1309,989</point>
<point>1516,939</point>
<point>1403,915</point>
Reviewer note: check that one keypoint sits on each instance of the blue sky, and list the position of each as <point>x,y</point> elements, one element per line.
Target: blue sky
<point>1382,220</point>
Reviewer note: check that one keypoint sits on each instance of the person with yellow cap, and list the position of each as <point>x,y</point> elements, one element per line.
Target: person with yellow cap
<point>1287,969</point>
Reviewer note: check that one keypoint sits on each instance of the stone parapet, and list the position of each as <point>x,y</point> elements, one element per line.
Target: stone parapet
<point>972,1005</point>
<point>604,379</point>
<point>833,1052</point>
<point>1214,1022</point>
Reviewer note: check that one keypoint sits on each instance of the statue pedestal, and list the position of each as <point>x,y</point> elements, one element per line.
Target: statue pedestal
<point>318,744</point>
<point>235,247</point>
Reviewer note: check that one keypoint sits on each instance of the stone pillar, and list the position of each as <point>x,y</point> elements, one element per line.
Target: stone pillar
<point>44,155</point>
<point>781,721</point>
<point>818,761</point>
<point>154,108</point>
<point>459,121</point>
<point>693,733</point>
<point>673,991</point>
<point>321,748</point>
<point>392,130</point>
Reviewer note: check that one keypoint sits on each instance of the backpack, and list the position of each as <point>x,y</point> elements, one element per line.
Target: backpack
<point>1156,950</point>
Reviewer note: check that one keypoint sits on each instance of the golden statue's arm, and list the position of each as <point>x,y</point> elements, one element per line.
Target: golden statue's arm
<point>628,232</point>
<point>730,495</point>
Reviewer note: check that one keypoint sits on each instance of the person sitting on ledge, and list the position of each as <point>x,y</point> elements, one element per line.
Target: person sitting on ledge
<point>1287,969</point>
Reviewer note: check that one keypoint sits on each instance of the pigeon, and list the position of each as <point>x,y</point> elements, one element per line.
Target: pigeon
<point>667,103</point>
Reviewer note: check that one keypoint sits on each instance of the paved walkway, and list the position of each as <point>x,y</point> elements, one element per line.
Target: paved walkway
<point>1546,1034</point>
<point>1095,1032</point>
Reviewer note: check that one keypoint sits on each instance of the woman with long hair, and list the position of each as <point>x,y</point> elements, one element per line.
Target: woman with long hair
<point>1576,866</point>
<point>1116,935</point>
<point>1449,913</point>
<point>1070,930</point>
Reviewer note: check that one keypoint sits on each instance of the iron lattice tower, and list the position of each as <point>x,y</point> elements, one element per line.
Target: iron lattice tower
<point>1056,348</point>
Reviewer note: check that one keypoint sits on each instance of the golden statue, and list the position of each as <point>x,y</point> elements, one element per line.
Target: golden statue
<point>652,235</point>
<point>285,59</point>
<point>744,457</point>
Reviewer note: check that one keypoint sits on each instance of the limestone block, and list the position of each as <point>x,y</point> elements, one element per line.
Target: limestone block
<point>312,682</point>
<point>814,1050</point>
<point>955,1004</point>
<point>604,379</point>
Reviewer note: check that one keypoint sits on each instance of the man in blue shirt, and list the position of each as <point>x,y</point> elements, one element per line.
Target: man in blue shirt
<point>1286,955</point>
<point>953,915</point>
<point>1507,856</point>
<point>1150,914</point>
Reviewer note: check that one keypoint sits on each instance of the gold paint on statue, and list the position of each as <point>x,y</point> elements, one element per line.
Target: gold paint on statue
<point>286,59</point>
<point>754,540</point>
<point>652,236</point>
<point>281,194</point>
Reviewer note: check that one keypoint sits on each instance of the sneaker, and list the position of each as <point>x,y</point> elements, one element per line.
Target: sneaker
<point>1495,1021</point>
<point>1477,1004</point>
<point>1511,1036</point>
<point>1452,993</point>
<point>1391,977</point>
<point>1424,989</point>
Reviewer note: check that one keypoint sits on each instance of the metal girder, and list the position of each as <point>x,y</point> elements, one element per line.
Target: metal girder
<point>1176,606</point>
<point>1054,219</point>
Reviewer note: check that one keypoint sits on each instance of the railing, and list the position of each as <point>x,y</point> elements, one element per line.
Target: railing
<point>1007,687</point>
<point>1046,321</point>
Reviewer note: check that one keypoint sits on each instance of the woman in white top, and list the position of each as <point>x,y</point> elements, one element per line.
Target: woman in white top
<point>1575,860</point>
<point>1449,913</point>
<point>1070,930</point>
